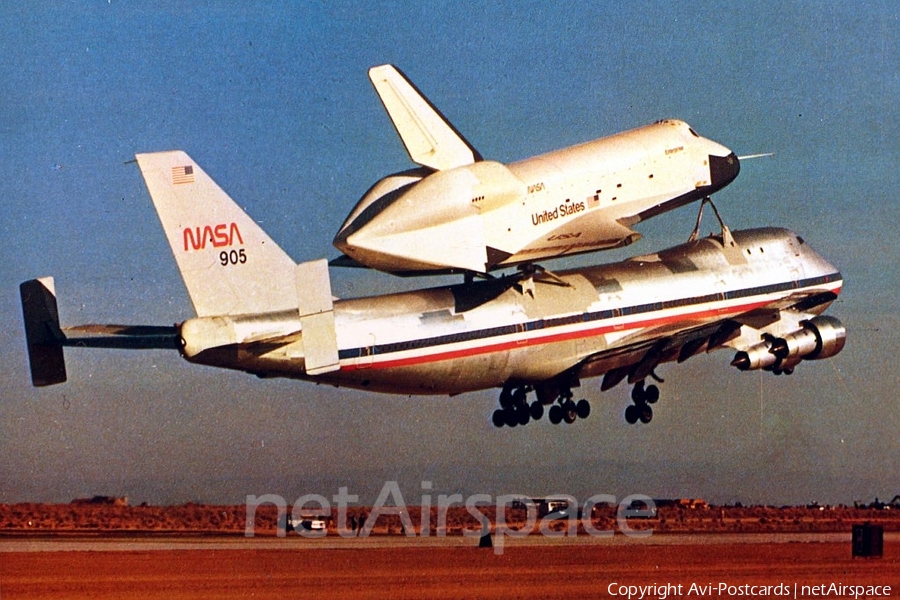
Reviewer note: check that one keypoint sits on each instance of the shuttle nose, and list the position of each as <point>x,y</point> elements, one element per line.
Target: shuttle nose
<point>723,169</point>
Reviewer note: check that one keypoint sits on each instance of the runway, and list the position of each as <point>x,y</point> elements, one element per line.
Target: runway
<point>400,567</point>
<point>127,542</point>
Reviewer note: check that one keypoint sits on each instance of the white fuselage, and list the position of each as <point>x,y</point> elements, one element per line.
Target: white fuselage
<point>487,215</point>
<point>479,335</point>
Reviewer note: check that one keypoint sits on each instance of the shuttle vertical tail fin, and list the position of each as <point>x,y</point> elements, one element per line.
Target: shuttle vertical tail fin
<point>229,264</point>
<point>429,138</point>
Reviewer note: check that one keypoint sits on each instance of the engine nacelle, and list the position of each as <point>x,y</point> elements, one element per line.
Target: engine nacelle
<point>820,337</point>
<point>759,356</point>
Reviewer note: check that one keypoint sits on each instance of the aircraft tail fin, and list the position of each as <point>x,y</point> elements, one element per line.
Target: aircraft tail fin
<point>230,266</point>
<point>429,137</point>
<point>42,332</point>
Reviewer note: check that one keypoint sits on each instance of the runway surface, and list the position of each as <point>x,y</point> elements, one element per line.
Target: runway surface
<point>106,542</point>
<point>400,567</point>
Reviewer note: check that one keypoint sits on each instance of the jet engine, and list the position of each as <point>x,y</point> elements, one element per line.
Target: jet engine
<point>819,337</point>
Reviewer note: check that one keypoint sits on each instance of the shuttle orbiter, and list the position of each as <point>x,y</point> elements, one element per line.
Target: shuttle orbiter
<point>460,213</point>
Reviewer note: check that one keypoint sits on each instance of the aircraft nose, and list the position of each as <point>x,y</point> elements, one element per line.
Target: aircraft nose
<point>723,169</point>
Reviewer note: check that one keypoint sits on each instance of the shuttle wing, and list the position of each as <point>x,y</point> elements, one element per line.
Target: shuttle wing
<point>429,138</point>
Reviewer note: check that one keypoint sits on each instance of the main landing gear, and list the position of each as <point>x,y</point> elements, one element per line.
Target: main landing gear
<point>515,410</point>
<point>642,397</point>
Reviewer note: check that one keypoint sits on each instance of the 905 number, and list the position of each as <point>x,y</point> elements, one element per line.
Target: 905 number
<point>234,257</point>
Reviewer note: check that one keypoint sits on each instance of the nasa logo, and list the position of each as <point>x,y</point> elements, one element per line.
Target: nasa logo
<point>223,234</point>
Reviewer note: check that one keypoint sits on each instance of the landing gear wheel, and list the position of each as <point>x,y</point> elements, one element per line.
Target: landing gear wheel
<point>645,413</point>
<point>518,396</point>
<point>643,397</point>
<point>637,392</point>
<point>570,413</point>
<point>523,414</point>
<point>498,418</point>
<point>631,414</point>
<point>506,397</point>
<point>556,414</point>
<point>583,408</point>
<point>537,410</point>
<point>510,416</point>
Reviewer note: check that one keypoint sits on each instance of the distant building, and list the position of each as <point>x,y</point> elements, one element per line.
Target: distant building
<point>551,505</point>
<point>894,504</point>
<point>104,500</point>
<point>690,503</point>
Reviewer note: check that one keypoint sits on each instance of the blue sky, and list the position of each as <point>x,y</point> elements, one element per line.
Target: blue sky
<point>273,101</point>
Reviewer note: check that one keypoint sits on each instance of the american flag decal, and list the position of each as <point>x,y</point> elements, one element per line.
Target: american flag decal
<point>183,174</point>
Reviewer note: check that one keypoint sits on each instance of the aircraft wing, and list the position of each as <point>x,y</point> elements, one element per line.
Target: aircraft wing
<point>637,359</point>
<point>429,137</point>
<point>751,335</point>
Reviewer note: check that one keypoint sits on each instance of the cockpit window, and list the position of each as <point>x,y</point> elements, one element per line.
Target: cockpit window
<point>801,240</point>
<point>694,133</point>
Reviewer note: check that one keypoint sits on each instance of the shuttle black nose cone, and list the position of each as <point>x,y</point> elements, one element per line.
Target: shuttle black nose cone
<point>723,169</point>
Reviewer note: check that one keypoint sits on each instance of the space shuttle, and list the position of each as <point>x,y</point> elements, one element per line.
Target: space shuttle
<point>460,213</point>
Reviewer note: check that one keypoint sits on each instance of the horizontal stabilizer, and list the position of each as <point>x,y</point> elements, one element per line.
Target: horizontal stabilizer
<point>429,138</point>
<point>42,332</point>
<point>46,339</point>
<point>130,337</point>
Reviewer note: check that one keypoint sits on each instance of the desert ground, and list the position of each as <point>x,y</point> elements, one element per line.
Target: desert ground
<point>98,551</point>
